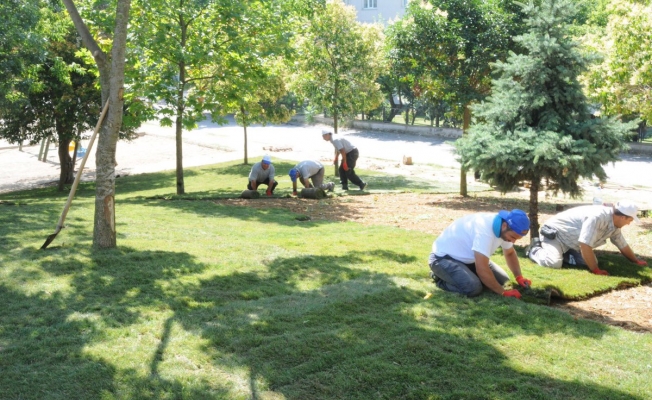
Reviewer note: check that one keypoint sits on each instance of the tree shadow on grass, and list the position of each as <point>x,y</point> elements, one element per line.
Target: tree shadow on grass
<point>303,327</point>
<point>362,334</point>
<point>43,335</point>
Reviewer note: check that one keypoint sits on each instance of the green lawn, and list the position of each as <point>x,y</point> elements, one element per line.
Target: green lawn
<point>206,301</point>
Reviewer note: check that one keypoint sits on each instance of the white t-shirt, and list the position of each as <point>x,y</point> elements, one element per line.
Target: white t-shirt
<point>467,235</point>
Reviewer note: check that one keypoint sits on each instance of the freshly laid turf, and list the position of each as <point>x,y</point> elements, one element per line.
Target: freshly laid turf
<point>207,301</point>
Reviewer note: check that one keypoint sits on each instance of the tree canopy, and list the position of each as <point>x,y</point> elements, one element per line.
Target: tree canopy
<point>338,61</point>
<point>622,82</point>
<point>449,45</point>
<point>196,56</point>
<point>55,98</point>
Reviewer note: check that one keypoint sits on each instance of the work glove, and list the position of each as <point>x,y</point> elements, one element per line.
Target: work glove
<point>345,166</point>
<point>526,283</point>
<point>512,293</point>
<point>599,271</point>
<point>269,193</point>
<point>641,262</point>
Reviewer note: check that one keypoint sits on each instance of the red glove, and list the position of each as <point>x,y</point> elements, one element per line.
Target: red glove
<point>512,293</point>
<point>269,193</point>
<point>641,262</point>
<point>344,166</point>
<point>523,282</point>
<point>599,271</point>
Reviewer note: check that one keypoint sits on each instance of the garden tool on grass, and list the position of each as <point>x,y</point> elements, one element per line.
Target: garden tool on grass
<point>73,189</point>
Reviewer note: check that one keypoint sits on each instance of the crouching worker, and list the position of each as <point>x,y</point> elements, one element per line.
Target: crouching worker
<point>460,256</point>
<point>309,171</point>
<point>262,173</point>
<point>570,236</point>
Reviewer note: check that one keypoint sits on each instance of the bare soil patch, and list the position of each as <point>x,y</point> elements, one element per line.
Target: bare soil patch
<point>431,213</point>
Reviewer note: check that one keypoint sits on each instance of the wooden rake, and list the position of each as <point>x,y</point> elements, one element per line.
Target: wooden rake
<point>77,179</point>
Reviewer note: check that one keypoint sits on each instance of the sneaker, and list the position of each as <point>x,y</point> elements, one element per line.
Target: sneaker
<point>331,186</point>
<point>434,277</point>
<point>363,186</point>
<point>534,244</point>
<point>345,188</point>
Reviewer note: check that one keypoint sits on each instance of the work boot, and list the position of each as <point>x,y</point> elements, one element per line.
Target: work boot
<point>363,186</point>
<point>532,248</point>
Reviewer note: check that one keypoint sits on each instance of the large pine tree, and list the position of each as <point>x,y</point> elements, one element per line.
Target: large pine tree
<point>537,124</point>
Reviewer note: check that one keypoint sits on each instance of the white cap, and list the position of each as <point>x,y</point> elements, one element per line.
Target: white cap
<point>628,208</point>
<point>325,132</point>
<point>267,159</point>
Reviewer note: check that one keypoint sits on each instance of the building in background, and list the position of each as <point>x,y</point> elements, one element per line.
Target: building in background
<point>378,10</point>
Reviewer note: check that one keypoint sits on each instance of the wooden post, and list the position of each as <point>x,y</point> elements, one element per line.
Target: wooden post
<point>40,152</point>
<point>45,152</point>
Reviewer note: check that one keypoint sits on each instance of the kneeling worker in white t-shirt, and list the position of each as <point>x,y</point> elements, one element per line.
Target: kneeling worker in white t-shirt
<point>460,256</point>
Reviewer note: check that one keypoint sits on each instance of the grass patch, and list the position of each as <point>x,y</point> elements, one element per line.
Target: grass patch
<point>204,300</point>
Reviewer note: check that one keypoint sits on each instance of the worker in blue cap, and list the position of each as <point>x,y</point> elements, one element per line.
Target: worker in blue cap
<point>262,173</point>
<point>310,174</point>
<point>460,262</point>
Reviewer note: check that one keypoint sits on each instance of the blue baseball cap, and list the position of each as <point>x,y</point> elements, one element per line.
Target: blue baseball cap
<point>267,160</point>
<point>517,220</point>
<point>293,174</point>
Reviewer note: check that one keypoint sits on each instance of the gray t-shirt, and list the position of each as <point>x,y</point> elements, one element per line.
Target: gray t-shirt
<point>259,174</point>
<point>308,168</point>
<point>591,225</point>
<point>342,143</point>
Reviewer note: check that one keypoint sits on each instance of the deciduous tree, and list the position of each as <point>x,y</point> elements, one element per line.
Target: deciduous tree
<point>54,98</point>
<point>622,82</point>
<point>338,62</point>
<point>449,45</point>
<point>192,53</point>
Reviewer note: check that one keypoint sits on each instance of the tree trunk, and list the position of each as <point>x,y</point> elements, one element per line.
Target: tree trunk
<point>534,208</point>
<point>392,110</point>
<point>66,175</point>
<point>467,122</point>
<point>336,171</point>
<point>244,125</point>
<point>112,84</point>
<point>181,189</point>
<point>104,233</point>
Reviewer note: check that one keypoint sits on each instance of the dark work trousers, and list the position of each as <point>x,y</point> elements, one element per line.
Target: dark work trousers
<point>346,176</point>
<point>265,182</point>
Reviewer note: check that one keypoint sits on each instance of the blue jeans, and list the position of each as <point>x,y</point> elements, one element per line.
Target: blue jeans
<point>455,276</point>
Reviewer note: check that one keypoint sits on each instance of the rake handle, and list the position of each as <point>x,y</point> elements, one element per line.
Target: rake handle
<point>73,189</point>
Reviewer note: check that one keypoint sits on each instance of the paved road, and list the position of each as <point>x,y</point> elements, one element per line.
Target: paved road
<point>211,143</point>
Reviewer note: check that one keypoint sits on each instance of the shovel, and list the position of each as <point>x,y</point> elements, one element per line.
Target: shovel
<point>77,179</point>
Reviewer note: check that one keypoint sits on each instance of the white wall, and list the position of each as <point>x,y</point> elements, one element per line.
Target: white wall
<point>386,10</point>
